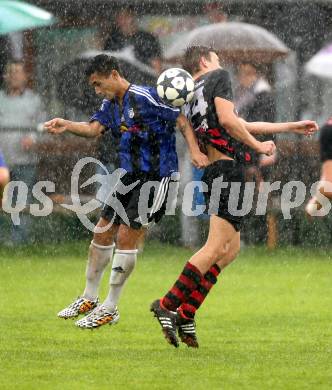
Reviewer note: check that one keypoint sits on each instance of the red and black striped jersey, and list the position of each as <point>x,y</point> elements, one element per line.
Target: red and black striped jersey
<point>201,112</point>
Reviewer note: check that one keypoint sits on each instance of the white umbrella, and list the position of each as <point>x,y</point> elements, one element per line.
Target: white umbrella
<point>234,41</point>
<point>321,63</point>
<point>18,16</point>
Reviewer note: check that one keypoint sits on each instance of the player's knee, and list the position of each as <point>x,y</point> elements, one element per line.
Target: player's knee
<point>223,250</point>
<point>226,257</point>
<point>214,253</point>
<point>102,239</point>
<point>126,241</point>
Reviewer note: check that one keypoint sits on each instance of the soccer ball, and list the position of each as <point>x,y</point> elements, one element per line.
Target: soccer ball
<point>175,86</point>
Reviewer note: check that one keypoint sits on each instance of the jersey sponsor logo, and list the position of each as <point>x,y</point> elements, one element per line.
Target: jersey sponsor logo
<point>103,105</point>
<point>131,113</point>
<point>132,129</point>
<point>123,127</point>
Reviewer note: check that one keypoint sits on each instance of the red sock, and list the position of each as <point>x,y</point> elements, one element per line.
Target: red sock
<point>197,297</point>
<point>187,282</point>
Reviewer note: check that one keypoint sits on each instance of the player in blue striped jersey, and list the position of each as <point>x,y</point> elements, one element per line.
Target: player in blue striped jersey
<point>143,128</point>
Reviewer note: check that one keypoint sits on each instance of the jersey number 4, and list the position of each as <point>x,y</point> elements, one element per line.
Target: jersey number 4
<point>199,105</point>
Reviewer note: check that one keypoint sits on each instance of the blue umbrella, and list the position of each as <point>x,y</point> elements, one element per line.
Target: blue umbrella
<point>17,16</point>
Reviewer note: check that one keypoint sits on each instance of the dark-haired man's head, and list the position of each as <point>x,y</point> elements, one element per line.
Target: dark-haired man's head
<point>105,76</point>
<point>200,59</point>
<point>103,64</point>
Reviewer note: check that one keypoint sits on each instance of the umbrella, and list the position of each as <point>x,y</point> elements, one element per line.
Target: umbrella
<point>72,86</point>
<point>17,15</point>
<point>234,41</point>
<point>321,63</point>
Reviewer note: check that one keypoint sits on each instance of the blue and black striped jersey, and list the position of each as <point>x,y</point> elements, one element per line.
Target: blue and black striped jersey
<point>144,131</point>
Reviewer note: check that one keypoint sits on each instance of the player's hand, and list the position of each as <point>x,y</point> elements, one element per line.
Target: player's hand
<point>267,147</point>
<point>199,159</point>
<point>306,128</point>
<point>56,125</point>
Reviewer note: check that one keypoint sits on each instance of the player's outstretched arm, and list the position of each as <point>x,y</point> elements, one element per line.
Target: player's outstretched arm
<point>237,129</point>
<point>83,129</point>
<point>199,159</point>
<point>307,127</point>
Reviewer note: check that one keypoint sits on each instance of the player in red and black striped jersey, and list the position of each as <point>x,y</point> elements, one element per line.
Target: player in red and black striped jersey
<point>202,113</point>
<point>324,189</point>
<point>223,136</point>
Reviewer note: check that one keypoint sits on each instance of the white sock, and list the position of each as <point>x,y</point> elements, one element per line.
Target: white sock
<point>123,264</point>
<point>99,257</point>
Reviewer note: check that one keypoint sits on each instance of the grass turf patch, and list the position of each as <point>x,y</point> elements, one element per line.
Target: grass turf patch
<point>266,324</point>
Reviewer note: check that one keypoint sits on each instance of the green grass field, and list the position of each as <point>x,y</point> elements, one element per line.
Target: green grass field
<point>266,325</point>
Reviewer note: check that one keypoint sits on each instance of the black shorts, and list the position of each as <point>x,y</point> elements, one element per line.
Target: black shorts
<point>144,204</point>
<point>231,172</point>
<point>325,141</point>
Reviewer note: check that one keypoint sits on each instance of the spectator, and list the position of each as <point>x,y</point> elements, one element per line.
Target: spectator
<point>125,32</point>
<point>254,102</point>
<point>215,13</point>
<point>20,112</point>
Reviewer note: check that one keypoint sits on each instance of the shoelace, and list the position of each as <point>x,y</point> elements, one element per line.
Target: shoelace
<point>99,310</point>
<point>75,303</point>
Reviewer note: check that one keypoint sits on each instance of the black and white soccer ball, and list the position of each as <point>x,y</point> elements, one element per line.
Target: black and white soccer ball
<point>175,86</point>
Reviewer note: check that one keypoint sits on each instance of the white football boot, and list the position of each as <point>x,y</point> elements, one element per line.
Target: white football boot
<point>98,317</point>
<point>79,306</point>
